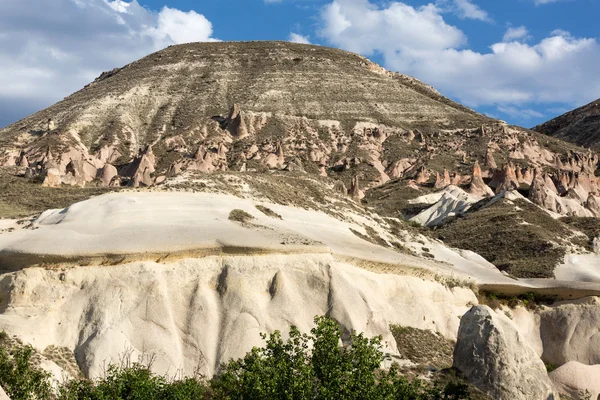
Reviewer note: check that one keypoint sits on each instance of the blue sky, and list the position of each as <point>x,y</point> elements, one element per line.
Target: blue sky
<point>523,61</point>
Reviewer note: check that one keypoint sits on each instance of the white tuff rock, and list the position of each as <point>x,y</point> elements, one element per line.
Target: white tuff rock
<point>495,357</point>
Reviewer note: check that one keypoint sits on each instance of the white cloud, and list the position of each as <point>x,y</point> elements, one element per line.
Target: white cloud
<point>417,41</point>
<point>182,27</point>
<point>360,26</point>
<point>522,113</point>
<point>469,10</point>
<point>513,34</point>
<point>297,38</point>
<point>51,48</point>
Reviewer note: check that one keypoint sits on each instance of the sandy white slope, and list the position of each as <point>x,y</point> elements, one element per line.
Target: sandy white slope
<point>153,225</point>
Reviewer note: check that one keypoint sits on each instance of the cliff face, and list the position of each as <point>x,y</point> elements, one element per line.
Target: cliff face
<point>580,126</point>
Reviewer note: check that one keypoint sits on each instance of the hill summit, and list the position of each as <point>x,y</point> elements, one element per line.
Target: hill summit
<point>192,99</point>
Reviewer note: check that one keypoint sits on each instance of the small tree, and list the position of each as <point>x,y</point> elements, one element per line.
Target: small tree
<point>292,370</point>
<point>19,377</point>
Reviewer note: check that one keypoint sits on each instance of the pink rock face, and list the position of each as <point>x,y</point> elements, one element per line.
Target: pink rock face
<point>141,168</point>
<point>505,179</point>
<point>593,204</point>
<point>52,178</point>
<point>422,176</point>
<point>443,180</point>
<point>490,162</point>
<point>478,186</point>
<point>106,174</point>
<point>355,191</point>
<point>275,160</point>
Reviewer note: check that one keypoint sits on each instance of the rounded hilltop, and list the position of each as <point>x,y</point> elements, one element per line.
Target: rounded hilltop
<point>179,88</point>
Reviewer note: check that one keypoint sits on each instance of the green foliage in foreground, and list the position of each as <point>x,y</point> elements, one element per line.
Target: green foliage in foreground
<point>19,378</point>
<point>305,366</point>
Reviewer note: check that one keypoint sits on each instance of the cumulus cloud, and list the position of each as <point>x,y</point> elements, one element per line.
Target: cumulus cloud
<point>297,38</point>
<point>52,48</point>
<point>515,33</point>
<point>418,41</point>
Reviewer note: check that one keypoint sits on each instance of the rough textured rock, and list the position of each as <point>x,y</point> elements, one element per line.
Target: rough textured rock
<point>494,356</point>
<point>574,378</point>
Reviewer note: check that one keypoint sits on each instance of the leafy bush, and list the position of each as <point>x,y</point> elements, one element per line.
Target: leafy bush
<point>305,366</point>
<point>291,370</point>
<point>135,382</point>
<point>19,377</point>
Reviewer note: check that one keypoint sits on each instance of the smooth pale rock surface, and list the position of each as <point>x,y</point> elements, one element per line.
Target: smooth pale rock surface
<point>452,201</point>
<point>206,311</point>
<point>573,378</point>
<point>3,395</point>
<point>152,225</point>
<point>570,332</point>
<point>495,357</point>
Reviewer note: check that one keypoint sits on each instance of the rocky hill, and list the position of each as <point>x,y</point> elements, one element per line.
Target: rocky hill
<point>238,188</point>
<point>580,126</point>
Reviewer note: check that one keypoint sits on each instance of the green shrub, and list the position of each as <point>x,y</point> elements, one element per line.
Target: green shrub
<point>19,377</point>
<point>305,366</point>
<point>240,216</point>
<point>291,370</point>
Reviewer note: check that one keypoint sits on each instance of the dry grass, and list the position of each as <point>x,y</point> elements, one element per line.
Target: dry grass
<point>268,212</point>
<point>240,216</point>
<point>423,347</point>
<point>20,197</point>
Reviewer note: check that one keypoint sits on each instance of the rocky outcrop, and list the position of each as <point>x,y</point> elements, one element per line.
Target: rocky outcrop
<point>569,332</point>
<point>422,176</point>
<point>443,180</point>
<point>52,178</point>
<point>593,204</point>
<point>203,312</point>
<point>233,123</point>
<point>490,162</point>
<point>574,379</point>
<point>505,179</point>
<point>477,186</point>
<point>107,175</point>
<point>355,191</point>
<point>493,356</point>
<point>140,169</point>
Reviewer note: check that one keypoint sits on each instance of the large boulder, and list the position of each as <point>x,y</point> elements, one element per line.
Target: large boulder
<point>575,378</point>
<point>495,357</point>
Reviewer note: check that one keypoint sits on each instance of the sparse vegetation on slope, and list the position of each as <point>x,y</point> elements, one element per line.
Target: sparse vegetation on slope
<point>518,237</point>
<point>240,216</point>
<point>588,226</point>
<point>20,197</point>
